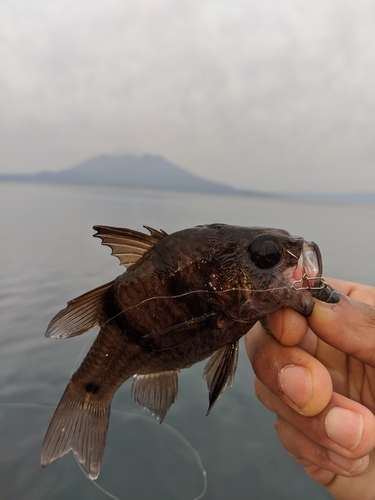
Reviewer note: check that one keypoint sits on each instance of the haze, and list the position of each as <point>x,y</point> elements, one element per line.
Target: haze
<point>262,95</point>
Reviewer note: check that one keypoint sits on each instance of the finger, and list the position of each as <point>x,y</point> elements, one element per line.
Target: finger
<point>344,427</point>
<point>309,453</point>
<point>289,372</point>
<point>348,325</point>
<point>347,488</point>
<point>357,291</point>
<point>291,328</point>
<point>287,326</point>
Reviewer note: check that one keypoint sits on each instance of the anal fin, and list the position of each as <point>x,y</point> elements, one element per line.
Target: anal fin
<point>220,371</point>
<point>156,391</point>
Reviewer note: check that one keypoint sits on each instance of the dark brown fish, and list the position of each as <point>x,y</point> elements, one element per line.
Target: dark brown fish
<point>184,297</point>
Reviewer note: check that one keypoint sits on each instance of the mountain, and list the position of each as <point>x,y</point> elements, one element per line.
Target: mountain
<point>145,172</point>
<point>154,172</point>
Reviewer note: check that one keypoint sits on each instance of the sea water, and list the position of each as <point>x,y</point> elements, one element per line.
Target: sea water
<point>48,256</point>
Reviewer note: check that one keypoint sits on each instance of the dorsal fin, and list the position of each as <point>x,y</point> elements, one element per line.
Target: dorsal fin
<point>80,315</point>
<point>128,245</point>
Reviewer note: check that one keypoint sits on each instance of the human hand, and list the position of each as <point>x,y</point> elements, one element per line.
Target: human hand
<point>318,375</point>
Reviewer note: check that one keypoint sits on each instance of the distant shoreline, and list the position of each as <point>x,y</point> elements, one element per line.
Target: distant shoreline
<point>234,193</point>
<point>326,198</point>
<point>155,173</point>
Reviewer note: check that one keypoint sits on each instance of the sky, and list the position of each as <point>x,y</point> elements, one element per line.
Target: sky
<point>267,95</point>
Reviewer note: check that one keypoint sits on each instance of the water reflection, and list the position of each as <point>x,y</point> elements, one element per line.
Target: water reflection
<point>164,466</point>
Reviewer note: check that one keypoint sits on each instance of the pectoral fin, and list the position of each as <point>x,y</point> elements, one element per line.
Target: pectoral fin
<point>170,338</point>
<point>80,315</point>
<point>219,371</point>
<point>156,391</point>
<point>128,245</point>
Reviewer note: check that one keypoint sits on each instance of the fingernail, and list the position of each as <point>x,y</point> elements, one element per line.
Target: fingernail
<point>344,427</point>
<point>325,305</point>
<point>295,383</point>
<point>345,463</point>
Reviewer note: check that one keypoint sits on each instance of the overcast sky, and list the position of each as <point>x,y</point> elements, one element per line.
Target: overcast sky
<point>271,95</point>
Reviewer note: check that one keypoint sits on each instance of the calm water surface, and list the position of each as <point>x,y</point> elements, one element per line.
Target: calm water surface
<point>48,256</point>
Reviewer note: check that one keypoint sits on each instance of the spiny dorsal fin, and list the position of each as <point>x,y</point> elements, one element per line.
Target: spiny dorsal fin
<point>156,391</point>
<point>219,371</point>
<point>80,315</point>
<point>128,245</point>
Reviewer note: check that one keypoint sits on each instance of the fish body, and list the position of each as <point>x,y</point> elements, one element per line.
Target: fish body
<point>184,297</point>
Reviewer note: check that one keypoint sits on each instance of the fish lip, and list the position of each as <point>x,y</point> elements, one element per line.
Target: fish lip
<point>305,305</point>
<point>309,268</point>
<point>307,277</point>
<point>308,272</point>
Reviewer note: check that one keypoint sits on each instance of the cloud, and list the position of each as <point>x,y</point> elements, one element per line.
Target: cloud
<point>264,95</point>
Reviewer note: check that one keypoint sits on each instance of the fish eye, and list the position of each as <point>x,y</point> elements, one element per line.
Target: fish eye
<point>265,251</point>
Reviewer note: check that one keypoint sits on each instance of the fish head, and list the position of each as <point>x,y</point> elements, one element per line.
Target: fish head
<point>288,269</point>
<point>274,269</point>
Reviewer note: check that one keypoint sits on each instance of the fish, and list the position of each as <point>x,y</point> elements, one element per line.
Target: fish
<point>184,297</point>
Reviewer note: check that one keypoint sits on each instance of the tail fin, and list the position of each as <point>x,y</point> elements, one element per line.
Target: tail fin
<point>80,423</point>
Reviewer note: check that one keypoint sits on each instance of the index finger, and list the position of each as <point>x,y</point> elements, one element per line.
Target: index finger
<point>348,325</point>
<point>357,291</point>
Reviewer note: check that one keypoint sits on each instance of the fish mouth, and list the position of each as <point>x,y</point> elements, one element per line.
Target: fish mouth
<point>308,273</point>
<point>307,277</point>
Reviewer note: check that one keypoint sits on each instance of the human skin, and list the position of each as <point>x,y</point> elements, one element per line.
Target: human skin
<point>318,375</point>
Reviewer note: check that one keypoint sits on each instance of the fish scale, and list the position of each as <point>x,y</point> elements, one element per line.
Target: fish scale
<point>184,297</point>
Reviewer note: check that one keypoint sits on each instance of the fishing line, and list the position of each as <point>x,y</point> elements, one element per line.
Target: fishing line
<point>185,294</point>
<point>82,351</point>
<point>165,425</point>
<point>197,458</point>
<point>110,495</point>
<point>180,437</point>
<point>26,404</point>
<point>192,292</point>
<point>212,292</point>
<point>171,429</point>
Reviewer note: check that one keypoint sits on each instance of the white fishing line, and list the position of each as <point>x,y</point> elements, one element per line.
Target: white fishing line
<point>192,292</point>
<point>169,427</point>
<point>103,490</point>
<point>27,404</point>
<point>82,351</point>
<point>180,437</point>
<point>197,458</point>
